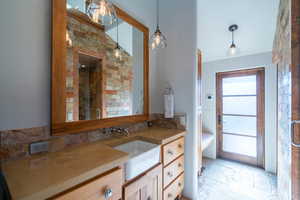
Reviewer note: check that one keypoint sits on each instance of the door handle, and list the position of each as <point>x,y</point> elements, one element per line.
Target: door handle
<point>219,119</point>
<point>293,134</point>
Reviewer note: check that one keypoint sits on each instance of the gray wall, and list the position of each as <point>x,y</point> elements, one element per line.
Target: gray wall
<point>25,59</point>
<point>24,63</point>
<point>177,66</point>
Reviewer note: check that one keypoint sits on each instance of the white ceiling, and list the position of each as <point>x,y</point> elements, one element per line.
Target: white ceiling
<point>256,20</point>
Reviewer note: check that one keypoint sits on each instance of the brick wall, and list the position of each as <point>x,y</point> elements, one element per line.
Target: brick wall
<point>117,76</point>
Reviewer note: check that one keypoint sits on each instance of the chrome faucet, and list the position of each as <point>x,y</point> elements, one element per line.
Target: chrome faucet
<point>122,131</point>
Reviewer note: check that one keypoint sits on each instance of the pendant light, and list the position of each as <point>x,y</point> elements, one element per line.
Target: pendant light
<point>158,40</point>
<point>232,48</point>
<point>102,12</point>
<point>117,50</point>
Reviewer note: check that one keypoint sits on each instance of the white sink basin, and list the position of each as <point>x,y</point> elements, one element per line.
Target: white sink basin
<point>143,155</point>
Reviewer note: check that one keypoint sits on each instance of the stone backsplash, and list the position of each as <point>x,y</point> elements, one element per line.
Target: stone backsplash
<point>15,143</point>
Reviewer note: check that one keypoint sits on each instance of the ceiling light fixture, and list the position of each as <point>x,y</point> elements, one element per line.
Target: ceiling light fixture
<point>158,40</point>
<point>102,11</point>
<point>233,48</point>
<point>117,50</point>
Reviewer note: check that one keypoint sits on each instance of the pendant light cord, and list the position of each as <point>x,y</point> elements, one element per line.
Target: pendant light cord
<point>157,14</point>
<point>117,31</point>
<point>232,37</point>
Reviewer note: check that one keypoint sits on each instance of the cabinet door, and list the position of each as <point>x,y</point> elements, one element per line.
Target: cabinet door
<point>147,187</point>
<point>133,196</point>
<point>154,185</point>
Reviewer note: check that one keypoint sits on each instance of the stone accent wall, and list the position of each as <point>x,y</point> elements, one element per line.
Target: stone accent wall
<point>15,143</point>
<point>117,76</point>
<point>282,57</point>
<point>178,122</point>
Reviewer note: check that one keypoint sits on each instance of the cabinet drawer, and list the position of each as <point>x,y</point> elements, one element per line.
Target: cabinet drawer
<point>96,188</point>
<point>175,189</point>
<point>173,170</point>
<point>173,150</point>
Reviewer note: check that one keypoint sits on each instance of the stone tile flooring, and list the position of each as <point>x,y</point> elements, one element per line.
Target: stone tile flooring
<point>227,180</point>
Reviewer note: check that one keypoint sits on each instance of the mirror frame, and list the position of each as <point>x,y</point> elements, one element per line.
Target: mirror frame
<point>59,126</point>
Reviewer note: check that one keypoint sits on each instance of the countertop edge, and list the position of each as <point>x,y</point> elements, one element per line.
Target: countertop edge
<point>57,189</point>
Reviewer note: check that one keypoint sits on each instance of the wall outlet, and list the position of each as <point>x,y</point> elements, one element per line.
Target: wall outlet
<point>38,147</point>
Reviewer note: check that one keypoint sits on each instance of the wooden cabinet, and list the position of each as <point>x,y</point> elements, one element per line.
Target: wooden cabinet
<point>173,150</point>
<point>106,186</point>
<point>174,189</point>
<point>173,169</point>
<point>146,187</point>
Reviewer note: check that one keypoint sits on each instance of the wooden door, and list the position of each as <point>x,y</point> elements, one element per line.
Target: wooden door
<point>295,100</point>
<point>240,115</point>
<point>147,187</point>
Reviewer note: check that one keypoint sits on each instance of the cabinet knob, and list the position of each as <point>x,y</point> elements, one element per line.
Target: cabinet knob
<point>149,198</point>
<point>179,165</point>
<point>170,152</point>
<point>170,195</point>
<point>179,146</point>
<point>179,184</point>
<point>108,193</point>
<point>170,174</point>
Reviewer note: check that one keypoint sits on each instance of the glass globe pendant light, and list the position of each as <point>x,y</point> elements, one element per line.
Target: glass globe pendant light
<point>117,50</point>
<point>232,48</point>
<point>158,40</point>
<point>101,11</point>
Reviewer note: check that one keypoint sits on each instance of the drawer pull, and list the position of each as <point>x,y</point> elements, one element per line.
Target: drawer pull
<point>108,193</point>
<point>179,146</point>
<point>170,152</point>
<point>179,184</point>
<point>149,198</point>
<point>170,174</point>
<point>179,165</point>
<point>170,195</point>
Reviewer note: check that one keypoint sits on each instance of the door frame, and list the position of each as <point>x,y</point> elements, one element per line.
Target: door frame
<point>199,110</point>
<point>260,158</point>
<point>295,74</point>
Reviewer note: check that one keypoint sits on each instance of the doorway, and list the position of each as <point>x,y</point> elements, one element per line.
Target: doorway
<point>240,116</point>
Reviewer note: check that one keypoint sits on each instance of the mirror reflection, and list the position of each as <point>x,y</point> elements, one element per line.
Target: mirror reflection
<point>104,67</point>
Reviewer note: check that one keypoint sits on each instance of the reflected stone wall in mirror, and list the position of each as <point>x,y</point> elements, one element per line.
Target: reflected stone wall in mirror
<point>98,85</point>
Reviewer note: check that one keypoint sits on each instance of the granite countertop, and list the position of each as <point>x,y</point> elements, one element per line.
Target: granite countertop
<point>42,176</point>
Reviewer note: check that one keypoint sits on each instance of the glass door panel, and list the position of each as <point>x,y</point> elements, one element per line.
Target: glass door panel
<point>239,144</point>
<point>239,105</point>
<point>240,125</point>
<point>240,85</point>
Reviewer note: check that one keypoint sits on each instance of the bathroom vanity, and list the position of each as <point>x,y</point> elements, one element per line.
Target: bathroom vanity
<point>98,170</point>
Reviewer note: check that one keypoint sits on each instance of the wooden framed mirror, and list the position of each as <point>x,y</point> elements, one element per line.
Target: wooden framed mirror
<point>91,87</point>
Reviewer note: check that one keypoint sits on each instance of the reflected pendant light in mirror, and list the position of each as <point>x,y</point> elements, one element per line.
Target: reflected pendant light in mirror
<point>101,11</point>
<point>232,48</point>
<point>117,50</point>
<point>158,40</point>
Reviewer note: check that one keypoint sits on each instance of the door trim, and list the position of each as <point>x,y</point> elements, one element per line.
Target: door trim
<point>295,71</point>
<point>260,158</point>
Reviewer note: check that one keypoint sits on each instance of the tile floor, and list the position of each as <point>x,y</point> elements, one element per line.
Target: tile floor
<point>227,180</point>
